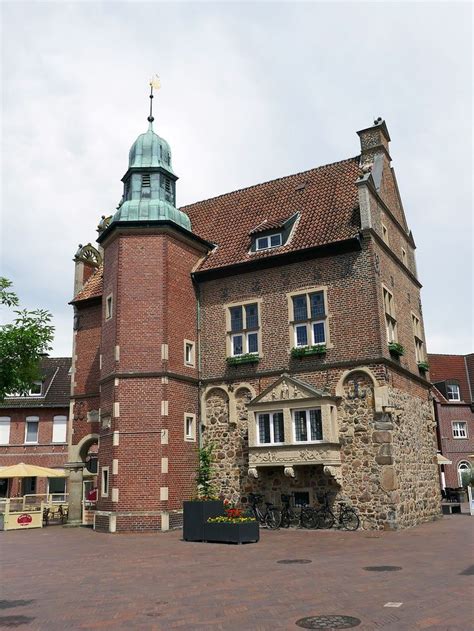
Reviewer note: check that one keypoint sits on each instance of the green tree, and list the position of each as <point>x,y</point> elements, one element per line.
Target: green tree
<point>21,344</point>
<point>204,473</point>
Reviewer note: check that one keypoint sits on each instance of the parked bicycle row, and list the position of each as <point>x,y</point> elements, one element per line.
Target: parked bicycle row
<point>305,516</point>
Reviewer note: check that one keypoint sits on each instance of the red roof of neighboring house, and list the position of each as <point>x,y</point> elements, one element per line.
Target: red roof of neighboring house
<point>450,367</point>
<point>325,198</point>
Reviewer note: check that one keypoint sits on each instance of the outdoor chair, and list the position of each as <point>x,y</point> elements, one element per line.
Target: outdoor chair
<point>45,516</point>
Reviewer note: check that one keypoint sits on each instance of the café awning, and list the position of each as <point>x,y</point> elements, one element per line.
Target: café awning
<point>22,470</point>
<point>442,460</point>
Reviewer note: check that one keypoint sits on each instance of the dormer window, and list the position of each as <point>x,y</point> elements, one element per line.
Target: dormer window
<point>35,389</point>
<point>269,241</point>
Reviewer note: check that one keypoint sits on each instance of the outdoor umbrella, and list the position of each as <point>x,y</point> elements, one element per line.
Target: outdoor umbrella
<point>22,470</point>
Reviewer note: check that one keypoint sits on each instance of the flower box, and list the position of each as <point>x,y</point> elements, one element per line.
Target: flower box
<point>248,358</point>
<point>396,349</point>
<point>423,366</point>
<point>303,351</point>
<point>225,532</point>
<point>195,515</point>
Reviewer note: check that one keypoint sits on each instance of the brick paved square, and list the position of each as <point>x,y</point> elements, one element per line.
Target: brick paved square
<point>59,578</point>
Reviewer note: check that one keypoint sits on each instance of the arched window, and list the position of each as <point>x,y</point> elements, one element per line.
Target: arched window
<point>464,473</point>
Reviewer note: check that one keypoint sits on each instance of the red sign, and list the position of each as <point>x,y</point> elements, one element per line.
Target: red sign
<point>24,519</point>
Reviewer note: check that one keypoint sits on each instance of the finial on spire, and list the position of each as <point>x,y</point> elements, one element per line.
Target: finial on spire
<point>154,83</point>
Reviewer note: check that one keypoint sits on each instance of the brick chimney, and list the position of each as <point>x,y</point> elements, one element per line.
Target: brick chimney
<point>374,141</point>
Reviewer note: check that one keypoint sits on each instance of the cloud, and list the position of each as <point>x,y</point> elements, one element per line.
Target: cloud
<point>251,91</point>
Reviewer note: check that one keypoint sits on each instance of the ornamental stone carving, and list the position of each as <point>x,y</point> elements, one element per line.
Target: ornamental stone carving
<point>289,472</point>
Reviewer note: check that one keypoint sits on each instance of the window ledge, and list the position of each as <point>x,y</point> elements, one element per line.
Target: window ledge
<point>303,351</point>
<point>237,360</point>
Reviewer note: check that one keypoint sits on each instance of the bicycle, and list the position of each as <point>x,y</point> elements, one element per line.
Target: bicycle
<point>347,518</point>
<point>271,518</point>
<point>290,517</point>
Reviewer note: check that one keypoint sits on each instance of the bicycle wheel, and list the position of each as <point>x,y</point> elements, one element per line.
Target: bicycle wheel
<point>273,519</point>
<point>308,518</point>
<point>349,519</point>
<point>324,519</point>
<point>285,519</point>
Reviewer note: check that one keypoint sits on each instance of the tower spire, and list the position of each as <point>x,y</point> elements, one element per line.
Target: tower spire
<point>154,83</point>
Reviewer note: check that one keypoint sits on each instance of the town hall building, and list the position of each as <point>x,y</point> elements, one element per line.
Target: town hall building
<point>281,323</point>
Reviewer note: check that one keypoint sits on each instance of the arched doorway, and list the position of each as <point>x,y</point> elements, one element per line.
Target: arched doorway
<point>464,473</point>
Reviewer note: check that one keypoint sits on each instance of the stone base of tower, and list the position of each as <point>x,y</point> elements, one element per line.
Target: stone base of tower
<point>143,521</point>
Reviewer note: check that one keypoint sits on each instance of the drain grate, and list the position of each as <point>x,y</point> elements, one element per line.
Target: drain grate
<point>290,561</point>
<point>469,571</point>
<point>382,568</point>
<point>328,622</point>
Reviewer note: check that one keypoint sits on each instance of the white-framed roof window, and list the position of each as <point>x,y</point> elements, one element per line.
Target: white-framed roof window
<point>452,390</point>
<point>269,241</point>
<point>36,389</point>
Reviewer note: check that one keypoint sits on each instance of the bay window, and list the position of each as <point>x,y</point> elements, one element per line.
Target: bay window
<point>308,426</point>
<point>270,428</point>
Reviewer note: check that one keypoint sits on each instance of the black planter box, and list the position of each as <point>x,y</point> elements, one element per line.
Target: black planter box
<point>195,515</point>
<point>232,533</point>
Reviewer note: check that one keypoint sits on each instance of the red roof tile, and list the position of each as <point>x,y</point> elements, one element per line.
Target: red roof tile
<point>325,198</point>
<point>92,288</point>
<point>447,367</point>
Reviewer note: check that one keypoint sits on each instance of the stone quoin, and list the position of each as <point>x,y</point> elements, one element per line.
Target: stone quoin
<point>258,321</point>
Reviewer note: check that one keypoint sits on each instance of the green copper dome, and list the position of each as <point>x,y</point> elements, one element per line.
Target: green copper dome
<point>150,184</point>
<point>149,150</point>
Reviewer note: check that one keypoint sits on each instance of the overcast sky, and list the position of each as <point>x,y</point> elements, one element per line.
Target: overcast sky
<point>250,92</point>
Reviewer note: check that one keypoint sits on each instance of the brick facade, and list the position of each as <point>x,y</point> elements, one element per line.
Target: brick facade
<point>458,370</point>
<point>159,285</point>
<point>14,412</point>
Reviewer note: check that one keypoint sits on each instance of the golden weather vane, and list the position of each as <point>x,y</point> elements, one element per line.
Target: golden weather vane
<point>155,83</point>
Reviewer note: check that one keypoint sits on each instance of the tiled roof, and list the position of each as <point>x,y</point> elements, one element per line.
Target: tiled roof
<point>93,287</point>
<point>325,198</point>
<point>269,225</point>
<point>56,387</point>
<point>447,367</point>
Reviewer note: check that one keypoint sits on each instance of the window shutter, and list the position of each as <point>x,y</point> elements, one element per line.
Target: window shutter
<point>4,430</point>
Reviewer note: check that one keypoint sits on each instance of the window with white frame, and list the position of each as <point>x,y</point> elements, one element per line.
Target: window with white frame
<point>309,319</point>
<point>419,352</point>
<point>452,392</point>
<point>244,329</point>
<point>459,429</point>
<point>35,389</point>
<point>104,487</point>
<point>308,426</point>
<point>269,241</point>
<point>189,358</point>
<point>59,429</point>
<point>270,429</point>
<point>390,319</point>
<point>108,307</point>
<point>190,427</point>
<point>4,430</point>
<point>31,429</point>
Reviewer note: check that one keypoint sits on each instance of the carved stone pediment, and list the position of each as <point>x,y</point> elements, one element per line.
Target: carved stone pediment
<point>288,388</point>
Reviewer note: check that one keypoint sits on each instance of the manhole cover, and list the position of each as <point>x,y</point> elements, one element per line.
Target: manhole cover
<point>289,561</point>
<point>328,622</point>
<point>382,568</point>
<point>468,571</point>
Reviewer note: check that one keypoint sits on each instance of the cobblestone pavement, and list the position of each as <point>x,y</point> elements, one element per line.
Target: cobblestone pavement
<point>65,579</point>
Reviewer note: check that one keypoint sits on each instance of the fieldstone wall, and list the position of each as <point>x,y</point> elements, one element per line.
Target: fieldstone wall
<point>388,471</point>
